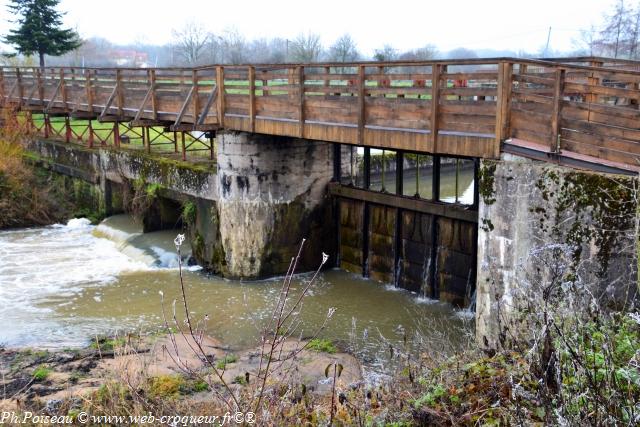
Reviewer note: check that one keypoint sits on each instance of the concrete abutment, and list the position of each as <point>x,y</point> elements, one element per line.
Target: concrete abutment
<point>551,238</point>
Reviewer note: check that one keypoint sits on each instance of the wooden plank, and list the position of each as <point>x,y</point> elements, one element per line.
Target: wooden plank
<point>184,107</point>
<point>468,91</point>
<point>103,114</point>
<point>144,101</point>
<point>601,129</point>
<point>482,108</point>
<point>472,76</point>
<point>53,98</point>
<point>601,152</point>
<point>207,106</point>
<point>602,90</point>
<point>531,78</point>
<point>520,95</point>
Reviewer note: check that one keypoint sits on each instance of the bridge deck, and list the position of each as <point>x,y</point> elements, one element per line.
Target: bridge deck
<point>463,108</point>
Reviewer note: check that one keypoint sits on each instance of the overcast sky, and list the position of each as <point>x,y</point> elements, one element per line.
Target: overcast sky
<point>472,24</point>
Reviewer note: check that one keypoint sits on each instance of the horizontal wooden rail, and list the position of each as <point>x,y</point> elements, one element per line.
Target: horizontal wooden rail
<point>466,107</point>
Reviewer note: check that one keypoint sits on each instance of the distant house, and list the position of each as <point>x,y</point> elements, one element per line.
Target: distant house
<point>129,58</point>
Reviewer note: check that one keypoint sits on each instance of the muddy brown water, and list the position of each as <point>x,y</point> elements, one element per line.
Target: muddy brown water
<point>62,285</point>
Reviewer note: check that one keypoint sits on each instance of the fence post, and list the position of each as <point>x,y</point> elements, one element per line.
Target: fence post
<point>554,143</point>
<point>436,70</point>
<point>301,101</point>
<point>361,105</point>
<point>20,88</point>
<point>252,98</point>
<point>220,85</point>
<point>503,106</point>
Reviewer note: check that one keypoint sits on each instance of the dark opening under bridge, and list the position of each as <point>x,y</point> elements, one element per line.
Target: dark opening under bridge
<point>581,110</point>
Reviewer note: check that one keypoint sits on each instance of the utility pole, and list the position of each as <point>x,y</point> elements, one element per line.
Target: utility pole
<point>546,49</point>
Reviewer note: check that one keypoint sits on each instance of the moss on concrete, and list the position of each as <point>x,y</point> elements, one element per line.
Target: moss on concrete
<point>486,181</point>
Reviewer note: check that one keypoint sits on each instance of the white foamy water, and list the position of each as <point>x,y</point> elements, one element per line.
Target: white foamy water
<point>60,260</point>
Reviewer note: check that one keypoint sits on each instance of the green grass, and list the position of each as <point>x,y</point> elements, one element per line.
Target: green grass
<point>322,346</point>
<point>41,373</point>
<point>107,344</point>
<point>229,358</point>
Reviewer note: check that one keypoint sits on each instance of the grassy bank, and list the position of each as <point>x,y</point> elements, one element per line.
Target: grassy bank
<point>25,196</point>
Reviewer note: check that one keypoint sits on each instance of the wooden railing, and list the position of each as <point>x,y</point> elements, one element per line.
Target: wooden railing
<point>466,107</point>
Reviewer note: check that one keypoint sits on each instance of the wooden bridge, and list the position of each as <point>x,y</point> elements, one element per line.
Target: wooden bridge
<point>570,109</point>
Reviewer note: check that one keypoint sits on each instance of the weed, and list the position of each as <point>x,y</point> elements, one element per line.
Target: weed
<point>41,373</point>
<point>322,346</point>
<point>229,358</point>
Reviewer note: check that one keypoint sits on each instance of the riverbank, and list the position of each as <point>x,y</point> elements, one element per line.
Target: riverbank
<point>598,382</point>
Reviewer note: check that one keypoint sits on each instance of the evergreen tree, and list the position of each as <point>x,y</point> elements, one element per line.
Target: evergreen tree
<point>40,29</point>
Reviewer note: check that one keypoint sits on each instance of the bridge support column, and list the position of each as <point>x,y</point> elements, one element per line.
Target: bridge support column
<point>271,195</point>
<point>551,240</point>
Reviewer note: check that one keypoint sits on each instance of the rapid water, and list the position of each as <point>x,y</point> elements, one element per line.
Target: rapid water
<point>62,285</point>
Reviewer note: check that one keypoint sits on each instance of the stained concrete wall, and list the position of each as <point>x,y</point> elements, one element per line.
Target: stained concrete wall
<point>271,195</point>
<point>554,237</point>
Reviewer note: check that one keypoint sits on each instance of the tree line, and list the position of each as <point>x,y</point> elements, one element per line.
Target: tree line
<point>617,35</point>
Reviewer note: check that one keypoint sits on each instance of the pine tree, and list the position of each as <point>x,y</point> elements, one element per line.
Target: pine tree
<point>40,29</point>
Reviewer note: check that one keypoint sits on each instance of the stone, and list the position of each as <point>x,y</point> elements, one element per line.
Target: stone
<point>550,232</point>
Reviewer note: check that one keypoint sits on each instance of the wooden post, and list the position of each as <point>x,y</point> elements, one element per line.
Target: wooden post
<point>554,143</point>
<point>147,139</point>
<point>47,125</point>
<point>252,98</point>
<point>591,97</point>
<point>20,87</point>
<point>327,80</point>
<point>196,98</point>
<point>2,89</point>
<point>436,70</point>
<point>116,134</point>
<point>220,86</point>
<point>88,90</point>
<point>184,148</point>
<point>301,101</point>
<point>119,94</point>
<point>175,141</point>
<point>40,87</point>
<point>361,105</point>
<point>90,130</point>
<point>503,102</point>
<point>67,129</point>
<point>63,90</point>
<point>154,99</point>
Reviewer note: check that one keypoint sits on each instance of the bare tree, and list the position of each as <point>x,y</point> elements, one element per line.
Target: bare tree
<point>387,53</point>
<point>587,41</point>
<point>306,48</point>
<point>344,50</point>
<point>615,26</point>
<point>190,42</point>
<point>421,54</point>
<point>234,46</point>
<point>633,32</point>
<point>461,53</point>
